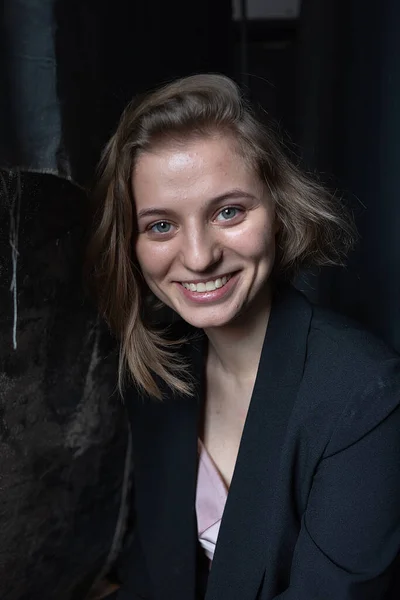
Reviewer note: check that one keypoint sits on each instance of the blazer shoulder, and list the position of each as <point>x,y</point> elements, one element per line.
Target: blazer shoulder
<point>346,340</point>
<point>354,375</point>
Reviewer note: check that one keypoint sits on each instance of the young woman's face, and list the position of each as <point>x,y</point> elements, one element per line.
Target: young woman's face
<point>206,230</point>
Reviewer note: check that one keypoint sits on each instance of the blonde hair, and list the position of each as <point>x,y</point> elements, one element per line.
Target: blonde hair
<point>314,228</point>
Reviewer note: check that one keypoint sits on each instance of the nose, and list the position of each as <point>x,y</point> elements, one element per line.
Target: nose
<point>201,251</point>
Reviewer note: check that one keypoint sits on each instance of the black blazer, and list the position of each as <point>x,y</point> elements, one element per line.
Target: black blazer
<point>313,512</point>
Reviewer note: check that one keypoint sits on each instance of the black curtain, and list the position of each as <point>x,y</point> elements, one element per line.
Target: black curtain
<point>348,125</point>
<point>67,68</point>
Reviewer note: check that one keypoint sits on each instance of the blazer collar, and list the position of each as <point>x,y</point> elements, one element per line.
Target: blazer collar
<point>165,454</point>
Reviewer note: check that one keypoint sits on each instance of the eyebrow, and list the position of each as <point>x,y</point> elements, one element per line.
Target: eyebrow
<point>231,195</point>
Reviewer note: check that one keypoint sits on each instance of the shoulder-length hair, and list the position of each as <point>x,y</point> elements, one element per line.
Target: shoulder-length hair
<point>314,228</point>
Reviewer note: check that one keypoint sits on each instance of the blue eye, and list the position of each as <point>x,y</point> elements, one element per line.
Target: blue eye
<point>161,227</point>
<point>228,213</point>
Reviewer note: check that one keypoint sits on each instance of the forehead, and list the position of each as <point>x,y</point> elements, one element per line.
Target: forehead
<point>192,169</point>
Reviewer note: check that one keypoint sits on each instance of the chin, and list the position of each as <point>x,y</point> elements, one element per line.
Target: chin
<point>207,322</point>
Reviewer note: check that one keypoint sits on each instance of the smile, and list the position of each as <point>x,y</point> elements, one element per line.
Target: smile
<point>207,286</point>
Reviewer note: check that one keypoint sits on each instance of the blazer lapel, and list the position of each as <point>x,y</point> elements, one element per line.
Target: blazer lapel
<point>165,471</point>
<point>240,556</point>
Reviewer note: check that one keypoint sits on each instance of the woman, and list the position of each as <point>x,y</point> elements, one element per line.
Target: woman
<point>255,406</point>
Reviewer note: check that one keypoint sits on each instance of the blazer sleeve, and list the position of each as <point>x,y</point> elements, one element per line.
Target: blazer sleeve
<point>132,573</point>
<point>349,543</point>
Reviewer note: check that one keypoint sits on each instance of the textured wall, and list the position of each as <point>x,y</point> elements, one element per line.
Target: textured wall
<point>63,437</point>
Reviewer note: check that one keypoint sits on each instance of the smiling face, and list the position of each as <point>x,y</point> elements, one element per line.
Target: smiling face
<point>206,230</point>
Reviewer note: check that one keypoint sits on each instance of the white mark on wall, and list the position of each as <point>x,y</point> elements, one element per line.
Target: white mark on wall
<point>15,211</point>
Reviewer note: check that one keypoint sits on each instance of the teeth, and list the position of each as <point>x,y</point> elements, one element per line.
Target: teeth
<point>207,286</point>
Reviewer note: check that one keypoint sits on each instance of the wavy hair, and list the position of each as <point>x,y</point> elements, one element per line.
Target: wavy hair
<point>314,227</point>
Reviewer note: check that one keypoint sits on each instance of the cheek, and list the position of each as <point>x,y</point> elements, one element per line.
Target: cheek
<point>154,259</point>
<point>264,237</point>
<point>255,242</point>
<point>145,258</point>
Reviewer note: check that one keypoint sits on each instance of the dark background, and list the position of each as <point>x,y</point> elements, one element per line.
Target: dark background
<point>330,79</point>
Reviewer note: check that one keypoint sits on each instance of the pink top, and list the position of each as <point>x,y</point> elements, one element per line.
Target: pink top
<point>211,495</point>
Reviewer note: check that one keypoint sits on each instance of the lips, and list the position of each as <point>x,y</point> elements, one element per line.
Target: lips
<point>207,286</point>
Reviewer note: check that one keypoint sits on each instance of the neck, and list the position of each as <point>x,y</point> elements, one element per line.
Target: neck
<point>236,348</point>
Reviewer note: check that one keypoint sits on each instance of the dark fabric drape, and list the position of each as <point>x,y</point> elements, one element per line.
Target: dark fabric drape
<point>30,113</point>
<point>348,126</point>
